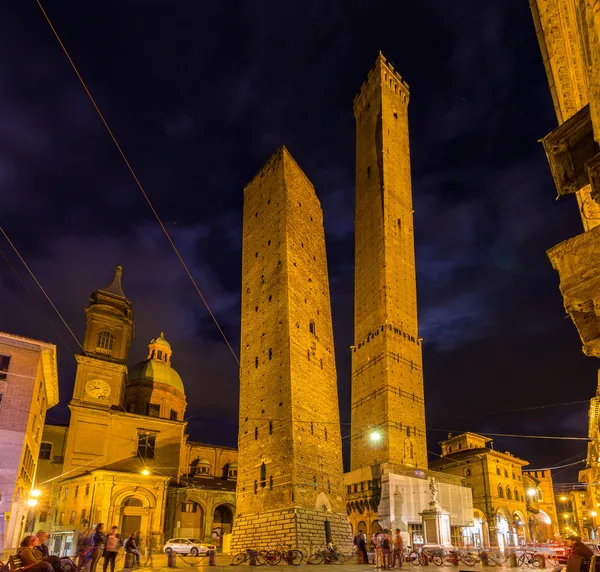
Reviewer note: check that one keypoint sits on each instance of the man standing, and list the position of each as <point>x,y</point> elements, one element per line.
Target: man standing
<point>398,548</point>
<point>361,545</point>
<point>113,543</point>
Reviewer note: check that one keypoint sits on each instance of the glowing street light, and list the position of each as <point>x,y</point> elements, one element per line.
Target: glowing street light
<point>531,492</point>
<point>375,436</point>
<point>593,513</point>
<point>563,499</point>
<point>35,493</point>
<point>145,472</point>
<point>31,502</point>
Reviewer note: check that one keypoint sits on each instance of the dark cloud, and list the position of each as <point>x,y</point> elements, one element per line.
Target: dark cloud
<point>200,95</point>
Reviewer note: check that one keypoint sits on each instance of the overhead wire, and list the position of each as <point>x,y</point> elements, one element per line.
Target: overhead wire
<point>137,181</point>
<point>514,435</point>
<point>40,287</point>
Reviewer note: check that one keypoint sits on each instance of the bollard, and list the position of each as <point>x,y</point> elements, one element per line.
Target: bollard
<point>129,560</point>
<point>211,557</point>
<point>171,559</point>
<point>512,560</point>
<point>253,554</point>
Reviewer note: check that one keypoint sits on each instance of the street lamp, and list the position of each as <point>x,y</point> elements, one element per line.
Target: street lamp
<point>563,499</point>
<point>531,492</point>
<point>375,436</point>
<point>31,502</point>
<point>35,493</point>
<point>145,472</point>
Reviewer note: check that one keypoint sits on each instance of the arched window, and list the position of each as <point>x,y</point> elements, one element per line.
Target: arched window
<point>263,475</point>
<point>539,495</point>
<point>132,501</point>
<point>256,433</point>
<point>271,482</point>
<point>43,517</point>
<point>500,492</point>
<point>105,342</point>
<point>468,473</point>
<point>508,494</point>
<point>270,427</point>
<point>312,328</point>
<point>517,497</point>
<point>325,433</point>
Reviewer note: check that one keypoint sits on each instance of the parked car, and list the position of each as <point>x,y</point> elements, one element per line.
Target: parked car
<point>191,546</point>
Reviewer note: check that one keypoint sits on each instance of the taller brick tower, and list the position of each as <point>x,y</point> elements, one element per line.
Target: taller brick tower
<point>388,410</point>
<point>290,483</point>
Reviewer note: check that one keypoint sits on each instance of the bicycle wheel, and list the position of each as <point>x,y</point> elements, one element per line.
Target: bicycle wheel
<point>338,558</point>
<point>261,558</point>
<point>273,557</point>
<point>437,559</point>
<point>522,560</point>
<point>316,558</point>
<point>468,560</point>
<point>294,557</point>
<point>500,558</point>
<point>448,560</point>
<point>238,559</point>
<point>413,558</point>
<point>537,560</point>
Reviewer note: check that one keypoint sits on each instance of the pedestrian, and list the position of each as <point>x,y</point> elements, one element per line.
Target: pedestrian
<point>131,547</point>
<point>398,548</point>
<point>361,544</point>
<point>377,548</point>
<point>149,553</point>
<point>97,542</point>
<point>385,541</point>
<point>31,558</point>
<point>113,543</point>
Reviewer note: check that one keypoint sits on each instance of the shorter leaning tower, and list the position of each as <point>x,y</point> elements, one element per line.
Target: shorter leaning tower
<point>290,481</point>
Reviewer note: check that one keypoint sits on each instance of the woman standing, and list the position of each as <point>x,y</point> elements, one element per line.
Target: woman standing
<point>113,543</point>
<point>98,541</point>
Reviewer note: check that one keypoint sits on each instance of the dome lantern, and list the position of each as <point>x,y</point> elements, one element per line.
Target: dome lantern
<point>160,349</point>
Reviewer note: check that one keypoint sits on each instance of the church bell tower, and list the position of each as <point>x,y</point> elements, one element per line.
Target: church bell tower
<point>101,369</point>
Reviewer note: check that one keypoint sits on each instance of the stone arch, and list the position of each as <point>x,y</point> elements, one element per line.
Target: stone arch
<point>375,527</point>
<point>361,526</point>
<point>148,499</point>
<point>222,521</point>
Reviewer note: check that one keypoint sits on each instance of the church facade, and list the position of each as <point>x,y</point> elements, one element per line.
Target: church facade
<point>125,458</point>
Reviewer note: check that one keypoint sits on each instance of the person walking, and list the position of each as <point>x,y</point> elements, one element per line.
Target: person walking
<point>97,542</point>
<point>113,543</point>
<point>131,547</point>
<point>398,549</point>
<point>385,541</point>
<point>31,558</point>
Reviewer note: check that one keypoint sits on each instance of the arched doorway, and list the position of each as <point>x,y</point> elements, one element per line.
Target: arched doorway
<point>362,526</point>
<point>519,525</point>
<point>222,522</point>
<point>132,510</point>
<point>503,529</point>
<point>375,527</point>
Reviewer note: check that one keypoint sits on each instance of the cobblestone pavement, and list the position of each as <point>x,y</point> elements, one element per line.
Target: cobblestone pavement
<point>223,564</point>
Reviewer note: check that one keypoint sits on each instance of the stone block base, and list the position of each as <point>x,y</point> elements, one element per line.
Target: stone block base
<point>299,528</point>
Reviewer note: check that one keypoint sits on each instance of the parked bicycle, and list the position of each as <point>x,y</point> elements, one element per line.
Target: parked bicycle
<point>454,557</point>
<point>258,556</point>
<point>285,553</point>
<point>530,558</point>
<point>326,556</point>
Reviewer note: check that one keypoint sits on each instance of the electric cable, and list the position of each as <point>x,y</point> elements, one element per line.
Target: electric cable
<point>512,435</point>
<point>41,288</point>
<point>137,181</point>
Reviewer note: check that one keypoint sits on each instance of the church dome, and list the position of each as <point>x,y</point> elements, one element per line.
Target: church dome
<point>157,371</point>
<point>157,367</point>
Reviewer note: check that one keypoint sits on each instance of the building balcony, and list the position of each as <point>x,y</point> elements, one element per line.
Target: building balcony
<point>577,261</point>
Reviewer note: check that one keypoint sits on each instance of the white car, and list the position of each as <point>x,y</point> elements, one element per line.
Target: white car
<point>191,546</point>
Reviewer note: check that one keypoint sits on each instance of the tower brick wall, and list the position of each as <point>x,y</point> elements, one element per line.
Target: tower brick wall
<point>290,455</point>
<point>387,373</point>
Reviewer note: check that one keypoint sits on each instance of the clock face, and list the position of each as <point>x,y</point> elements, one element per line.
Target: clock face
<point>98,388</point>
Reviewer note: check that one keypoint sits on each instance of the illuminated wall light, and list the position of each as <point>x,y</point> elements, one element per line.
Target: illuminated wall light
<point>375,437</point>
<point>145,472</point>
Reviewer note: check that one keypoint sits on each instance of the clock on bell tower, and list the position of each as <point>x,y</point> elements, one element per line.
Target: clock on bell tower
<point>101,369</point>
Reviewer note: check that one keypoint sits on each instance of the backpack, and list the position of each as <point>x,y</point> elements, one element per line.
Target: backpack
<point>385,542</point>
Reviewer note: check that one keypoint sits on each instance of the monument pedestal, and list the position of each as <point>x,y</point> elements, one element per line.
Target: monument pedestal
<point>436,526</point>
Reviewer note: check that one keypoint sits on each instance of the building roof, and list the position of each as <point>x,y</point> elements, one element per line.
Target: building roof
<point>115,287</point>
<point>160,341</point>
<point>157,371</point>
<point>463,455</point>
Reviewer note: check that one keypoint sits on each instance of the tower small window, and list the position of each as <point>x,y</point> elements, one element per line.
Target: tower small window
<point>256,433</point>
<point>146,443</point>
<point>312,428</point>
<point>270,427</point>
<point>45,451</point>
<point>154,409</point>
<point>369,171</point>
<point>271,482</point>
<point>315,481</point>
<point>312,328</point>
<point>159,354</point>
<point>263,476</point>
<point>255,487</point>
<point>173,415</point>
<point>270,353</point>
<point>256,361</point>
<point>105,342</point>
<point>328,486</point>
<point>325,433</point>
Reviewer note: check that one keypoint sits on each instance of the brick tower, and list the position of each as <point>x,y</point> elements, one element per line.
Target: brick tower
<point>387,374</point>
<point>290,484</point>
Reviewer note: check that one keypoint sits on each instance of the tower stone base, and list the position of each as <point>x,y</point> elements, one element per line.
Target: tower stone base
<point>299,528</point>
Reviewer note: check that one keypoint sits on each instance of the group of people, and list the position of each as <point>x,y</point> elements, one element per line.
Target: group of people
<point>34,553</point>
<point>388,548</point>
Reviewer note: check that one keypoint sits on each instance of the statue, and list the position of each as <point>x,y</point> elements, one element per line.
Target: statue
<point>434,489</point>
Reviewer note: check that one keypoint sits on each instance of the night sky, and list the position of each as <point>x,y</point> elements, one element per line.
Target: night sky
<point>199,95</point>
